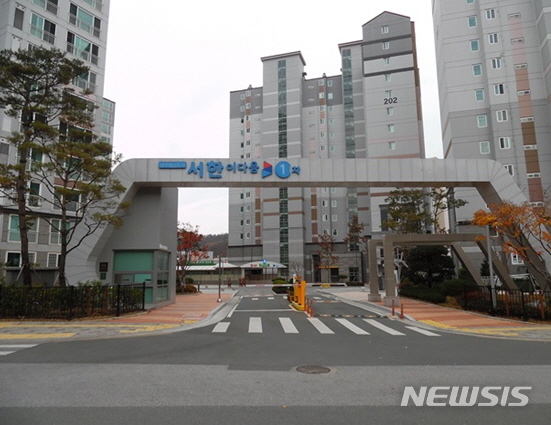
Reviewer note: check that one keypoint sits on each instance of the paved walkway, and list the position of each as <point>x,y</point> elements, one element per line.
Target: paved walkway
<point>188,310</point>
<point>456,320</point>
<point>196,310</point>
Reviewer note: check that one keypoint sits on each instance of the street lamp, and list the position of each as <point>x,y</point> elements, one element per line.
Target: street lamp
<point>219,278</point>
<point>491,267</point>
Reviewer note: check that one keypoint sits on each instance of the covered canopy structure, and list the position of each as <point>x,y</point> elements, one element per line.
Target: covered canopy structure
<point>263,270</point>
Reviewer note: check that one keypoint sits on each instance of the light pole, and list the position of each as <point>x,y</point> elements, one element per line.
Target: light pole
<point>219,278</point>
<point>491,267</point>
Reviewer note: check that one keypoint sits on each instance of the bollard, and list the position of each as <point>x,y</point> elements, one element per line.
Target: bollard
<point>393,307</point>
<point>402,311</point>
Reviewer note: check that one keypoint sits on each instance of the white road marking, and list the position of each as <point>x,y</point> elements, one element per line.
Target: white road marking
<point>422,331</point>
<point>351,326</point>
<point>6,349</point>
<point>320,326</point>
<point>221,327</point>
<point>288,326</point>
<point>255,325</point>
<point>382,327</point>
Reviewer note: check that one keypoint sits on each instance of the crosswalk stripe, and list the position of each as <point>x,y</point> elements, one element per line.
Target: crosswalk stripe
<point>221,327</point>
<point>288,326</point>
<point>255,325</point>
<point>382,327</point>
<point>351,326</point>
<point>255,299</point>
<point>320,326</point>
<point>5,353</point>
<point>422,331</point>
<point>270,298</point>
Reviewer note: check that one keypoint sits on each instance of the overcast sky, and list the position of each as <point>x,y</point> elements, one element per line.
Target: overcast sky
<point>172,65</point>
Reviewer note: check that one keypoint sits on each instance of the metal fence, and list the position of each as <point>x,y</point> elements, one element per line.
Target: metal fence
<point>533,305</point>
<point>23,302</point>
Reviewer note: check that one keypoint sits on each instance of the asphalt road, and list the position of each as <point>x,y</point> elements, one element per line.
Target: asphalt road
<point>246,369</point>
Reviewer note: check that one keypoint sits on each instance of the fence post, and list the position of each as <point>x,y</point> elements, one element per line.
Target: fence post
<point>492,312</point>
<point>523,305</point>
<point>143,297</point>
<point>71,301</point>
<point>118,300</point>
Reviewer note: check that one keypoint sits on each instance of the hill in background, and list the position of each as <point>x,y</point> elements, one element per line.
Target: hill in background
<point>218,244</point>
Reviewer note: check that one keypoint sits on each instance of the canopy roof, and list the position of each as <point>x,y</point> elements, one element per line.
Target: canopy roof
<point>263,264</point>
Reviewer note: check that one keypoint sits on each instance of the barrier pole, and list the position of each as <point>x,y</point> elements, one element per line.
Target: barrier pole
<point>393,307</point>
<point>402,311</point>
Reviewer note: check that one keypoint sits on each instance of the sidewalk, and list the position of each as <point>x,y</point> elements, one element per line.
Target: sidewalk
<point>187,311</point>
<point>454,320</point>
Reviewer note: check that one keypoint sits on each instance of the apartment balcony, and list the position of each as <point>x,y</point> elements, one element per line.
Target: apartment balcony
<point>83,25</point>
<point>82,54</point>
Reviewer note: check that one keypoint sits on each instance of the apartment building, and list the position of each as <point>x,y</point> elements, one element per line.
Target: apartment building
<point>78,27</point>
<point>494,64</point>
<point>371,110</point>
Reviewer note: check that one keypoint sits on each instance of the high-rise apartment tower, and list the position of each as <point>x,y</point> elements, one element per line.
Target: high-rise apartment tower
<point>78,27</point>
<point>371,110</point>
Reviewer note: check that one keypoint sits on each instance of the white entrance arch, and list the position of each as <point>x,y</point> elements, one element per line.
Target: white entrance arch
<point>151,186</point>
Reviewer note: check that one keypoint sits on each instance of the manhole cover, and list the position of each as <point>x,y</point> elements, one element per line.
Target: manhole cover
<point>313,369</point>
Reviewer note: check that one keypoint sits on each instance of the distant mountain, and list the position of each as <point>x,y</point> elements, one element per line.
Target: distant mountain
<point>218,244</point>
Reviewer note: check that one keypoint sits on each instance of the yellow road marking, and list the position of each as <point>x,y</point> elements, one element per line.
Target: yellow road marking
<point>37,336</point>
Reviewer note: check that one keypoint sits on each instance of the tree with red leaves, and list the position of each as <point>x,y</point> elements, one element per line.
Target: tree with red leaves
<point>189,250</point>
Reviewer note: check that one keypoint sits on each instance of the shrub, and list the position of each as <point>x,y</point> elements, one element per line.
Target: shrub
<point>433,295</point>
<point>189,289</point>
<point>458,287</point>
<point>279,281</point>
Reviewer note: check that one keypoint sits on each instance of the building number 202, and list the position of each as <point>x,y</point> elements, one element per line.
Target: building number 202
<point>390,100</point>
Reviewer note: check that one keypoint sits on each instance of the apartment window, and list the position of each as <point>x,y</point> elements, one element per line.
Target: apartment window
<point>55,235</point>
<point>390,111</point>
<point>499,89</point>
<point>479,95</point>
<point>510,169</point>
<point>42,28</point>
<point>18,19</point>
<point>13,259</point>
<point>475,46</point>
<point>496,63</point>
<point>501,115</point>
<point>477,69</point>
<point>53,260</point>
<point>82,48</point>
<point>84,20</point>
<point>334,217</point>
<point>330,83</point>
<point>516,259</point>
<point>248,235</point>
<point>388,77</point>
<point>469,1</point>
<point>482,121</point>
<point>334,232</point>
<point>386,45</point>
<point>384,29</point>
<point>392,146</point>
<point>472,21</point>
<point>386,61</point>
<point>504,143</point>
<point>329,96</point>
<point>493,38</point>
<point>490,14</point>
<point>15,236</point>
<point>86,81</point>
<point>390,128</point>
<point>388,94</point>
<point>325,217</point>
<point>485,147</point>
<point>247,194</point>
